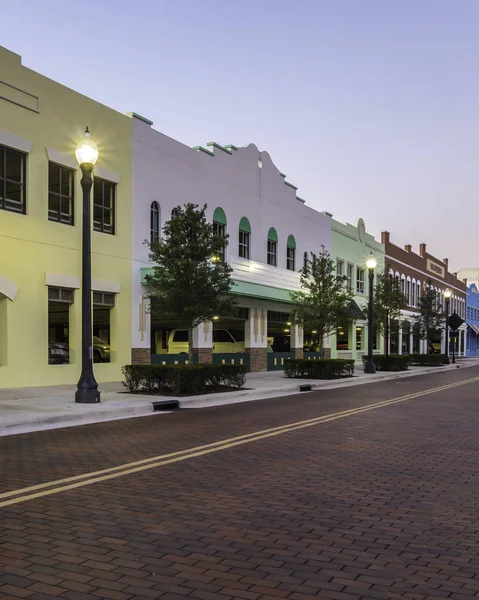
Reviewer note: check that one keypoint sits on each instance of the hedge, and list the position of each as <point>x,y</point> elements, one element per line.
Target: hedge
<point>328,368</point>
<point>183,380</point>
<point>427,360</point>
<point>393,362</point>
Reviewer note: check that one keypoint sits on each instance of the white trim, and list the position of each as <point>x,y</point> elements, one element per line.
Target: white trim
<point>61,158</point>
<point>105,285</point>
<point>64,281</point>
<point>15,142</point>
<point>8,288</point>
<point>441,281</point>
<point>107,174</point>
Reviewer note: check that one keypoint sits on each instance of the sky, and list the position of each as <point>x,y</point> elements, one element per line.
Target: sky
<point>369,106</point>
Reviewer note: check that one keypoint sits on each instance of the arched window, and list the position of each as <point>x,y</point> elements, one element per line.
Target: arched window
<point>154,222</point>
<point>413,292</point>
<point>305,260</point>
<point>174,212</point>
<point>244,238</point>
<point>418,295</point>
<point>290,253</point>
<point>408,290</point>
<point>219,227</point>
<point>403,284</point>
<point>272,250</point>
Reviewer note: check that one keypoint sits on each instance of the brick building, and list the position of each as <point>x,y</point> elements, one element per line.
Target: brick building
<point>414,271</point>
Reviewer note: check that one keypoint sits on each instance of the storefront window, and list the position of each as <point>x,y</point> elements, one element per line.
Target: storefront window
<point>342,338</point>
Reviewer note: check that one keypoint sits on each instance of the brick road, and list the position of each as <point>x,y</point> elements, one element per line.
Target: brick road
<point>382,504</point>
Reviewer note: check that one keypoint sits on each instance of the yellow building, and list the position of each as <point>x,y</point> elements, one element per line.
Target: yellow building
<point>41,122</point>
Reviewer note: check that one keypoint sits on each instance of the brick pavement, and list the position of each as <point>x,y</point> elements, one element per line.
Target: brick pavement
<point>379,505</point>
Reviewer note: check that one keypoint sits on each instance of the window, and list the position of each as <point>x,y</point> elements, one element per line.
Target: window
<point>272,250</point>
<point>103,206</point>
<point>60,194</point>
<point>340,268</point>
<point>154,223</point>
<point>418,295</point>
<point>174,213</point>
<point>290,253</point>
<point>59,301</point>
<point>103,302</point>
<point>244,238</point>
<point>305,260</point>
<point>350,277</point>
<point>359,281</point>
<point>219,229</point>
<point>408,290</point>
<point>342,338</point>
<point>12,180</point>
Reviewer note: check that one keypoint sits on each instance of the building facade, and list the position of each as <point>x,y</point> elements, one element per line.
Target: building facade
<point>270,230</point>
<point>414,272</point>
<point>351,248</point>
<point>41,122</point>
<point>472,320</point>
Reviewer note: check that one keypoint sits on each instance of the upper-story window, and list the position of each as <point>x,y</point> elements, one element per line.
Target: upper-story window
<point>350,277</point>
<point>219,227</point>
<point>290,253</point>
<point>154,222</point>
<point>244,241</point>
<point>174,212</point>
<point>103,206</point>
<point>305,260</point>
<point>60,194</point>
<point>340,268</point>
<point>12,180</point>
<point>408,290</point>
<point>359,280</point>
<point>413,292</point>
<point>403,284</point>
<point>272,253</point>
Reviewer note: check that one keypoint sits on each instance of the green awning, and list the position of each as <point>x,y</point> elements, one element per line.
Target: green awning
<point>272,235</point>
<point>219,216</point>
<point>244,225</point>
<point>291,241</point>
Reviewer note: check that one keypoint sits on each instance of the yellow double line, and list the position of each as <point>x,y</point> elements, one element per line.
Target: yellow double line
<point>70,483</point>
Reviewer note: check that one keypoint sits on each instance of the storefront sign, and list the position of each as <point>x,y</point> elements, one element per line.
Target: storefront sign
<point>433,267</point>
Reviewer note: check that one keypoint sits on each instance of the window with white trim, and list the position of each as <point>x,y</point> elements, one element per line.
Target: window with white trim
<point>59,302</point>
<point>359,280</point>
<point>13,174</point>
<point>103,303</point>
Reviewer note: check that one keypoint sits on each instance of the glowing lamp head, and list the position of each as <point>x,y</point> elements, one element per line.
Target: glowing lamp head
<point>447,293</point>
<point>371,263</point>
<point>87,151</point>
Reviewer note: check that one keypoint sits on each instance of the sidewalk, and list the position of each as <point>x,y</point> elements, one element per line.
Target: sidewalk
<point>33,409</point>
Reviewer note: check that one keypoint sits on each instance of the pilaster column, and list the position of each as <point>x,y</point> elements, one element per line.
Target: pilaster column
<point>297,342</point>
<point>203,342</point>
<point>256,338</point>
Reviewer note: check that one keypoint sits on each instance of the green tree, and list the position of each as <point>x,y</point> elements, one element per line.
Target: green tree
<point>190,282</point>
<point>389,301</point>
<point>324,303</point>
<point>431,316</point>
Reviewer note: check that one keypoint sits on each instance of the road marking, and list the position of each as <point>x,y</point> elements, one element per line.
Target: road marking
<point>62,485</point>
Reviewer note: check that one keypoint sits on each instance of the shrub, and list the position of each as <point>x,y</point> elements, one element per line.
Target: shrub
<point>427,360</point>
<point>183,380</point>
<point>330,368</point>
<point>393,362</point>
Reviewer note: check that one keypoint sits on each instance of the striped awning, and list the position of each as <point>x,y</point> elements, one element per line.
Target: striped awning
<point>474,328</point>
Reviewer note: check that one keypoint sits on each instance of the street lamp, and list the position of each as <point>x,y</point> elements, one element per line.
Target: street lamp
<point>447,296</point>
<point>87,387</point>
<point>371,264</point>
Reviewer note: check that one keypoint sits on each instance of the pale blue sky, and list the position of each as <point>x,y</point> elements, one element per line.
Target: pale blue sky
<point>369,106</point>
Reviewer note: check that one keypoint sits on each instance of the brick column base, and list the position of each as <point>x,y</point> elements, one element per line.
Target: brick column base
<point>298,353</point>
<point>258,359</point>
<point>205,355</point>
<point>140,356</point>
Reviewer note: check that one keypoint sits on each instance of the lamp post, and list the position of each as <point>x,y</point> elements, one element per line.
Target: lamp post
<point>87,387</point>
<point>447,296</point>
<point>371,264</point>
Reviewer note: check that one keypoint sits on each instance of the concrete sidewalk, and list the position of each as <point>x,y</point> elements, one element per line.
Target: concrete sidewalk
<point>32,409</point>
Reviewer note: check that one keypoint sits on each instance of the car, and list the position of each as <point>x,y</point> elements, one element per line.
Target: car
<point>224,341</point>
<point>101,350</point>
<point>58,353</point>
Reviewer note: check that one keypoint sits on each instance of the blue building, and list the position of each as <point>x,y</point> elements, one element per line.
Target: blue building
<point>472,320</point>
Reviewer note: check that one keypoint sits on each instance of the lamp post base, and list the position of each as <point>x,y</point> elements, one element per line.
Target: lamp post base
<point>87,395</point>
<point>370,367</point>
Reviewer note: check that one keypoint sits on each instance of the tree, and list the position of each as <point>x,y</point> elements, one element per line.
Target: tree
<point>324,304</point>
<point>190,281</point>
<point>389,301</point>
<point>431,316</point>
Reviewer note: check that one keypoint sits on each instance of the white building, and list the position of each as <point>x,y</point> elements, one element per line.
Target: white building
<point>270,229</point>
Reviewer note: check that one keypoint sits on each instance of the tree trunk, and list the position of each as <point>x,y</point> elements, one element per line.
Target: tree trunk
<point>190,344</point>
<point>386,335</point>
